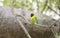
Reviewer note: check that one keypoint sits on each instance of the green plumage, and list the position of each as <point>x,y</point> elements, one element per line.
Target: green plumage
<point>34,19</point>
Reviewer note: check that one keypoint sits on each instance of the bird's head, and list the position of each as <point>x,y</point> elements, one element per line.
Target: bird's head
<point>32,14</point>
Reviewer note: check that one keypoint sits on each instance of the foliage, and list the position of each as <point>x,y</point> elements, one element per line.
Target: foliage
<point>28,4</point>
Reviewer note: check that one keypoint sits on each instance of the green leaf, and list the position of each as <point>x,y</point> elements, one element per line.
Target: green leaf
<point>41,6</point>
<point>7,3</point>
<point>46,9</point>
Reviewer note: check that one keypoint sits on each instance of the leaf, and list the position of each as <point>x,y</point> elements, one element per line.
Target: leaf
<point>41,6</point>
<point>17,5</point>
<point>6,3</point>
<point>46,9</point>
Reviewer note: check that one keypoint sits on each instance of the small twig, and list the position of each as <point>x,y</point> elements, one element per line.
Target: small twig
<point>53,10</point>
<point>24,18</point>
<point>54,23</point>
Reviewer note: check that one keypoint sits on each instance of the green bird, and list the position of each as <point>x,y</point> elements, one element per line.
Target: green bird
<point>33,19</point>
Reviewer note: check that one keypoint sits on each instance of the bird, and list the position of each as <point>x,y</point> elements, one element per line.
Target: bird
<point>34,19</point>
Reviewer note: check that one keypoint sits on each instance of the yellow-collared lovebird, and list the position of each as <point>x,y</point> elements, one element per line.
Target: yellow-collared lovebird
<point>33,19</point>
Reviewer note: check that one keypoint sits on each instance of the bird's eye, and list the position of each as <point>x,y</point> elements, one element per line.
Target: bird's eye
<point>32,14</point>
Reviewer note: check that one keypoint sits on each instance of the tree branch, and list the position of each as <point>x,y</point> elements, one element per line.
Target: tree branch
<point>24,18</point>
<point>22,26</point>
<point>53,10</point>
